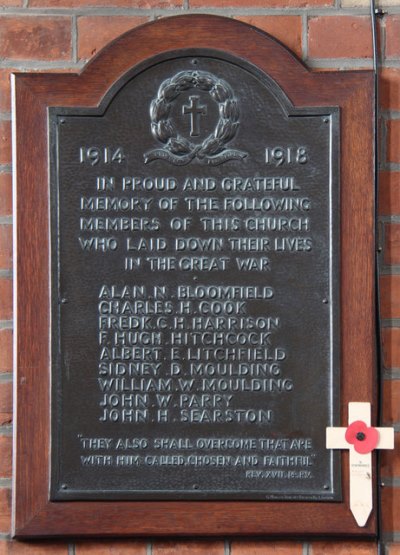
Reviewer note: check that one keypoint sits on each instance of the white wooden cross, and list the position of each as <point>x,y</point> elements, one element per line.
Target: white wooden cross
<point>360,463</point>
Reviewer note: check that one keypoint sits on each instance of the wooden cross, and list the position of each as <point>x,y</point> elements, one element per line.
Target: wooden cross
<point>360,463</point>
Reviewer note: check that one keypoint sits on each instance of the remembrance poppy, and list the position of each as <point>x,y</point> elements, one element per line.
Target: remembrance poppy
<point>363,438</point>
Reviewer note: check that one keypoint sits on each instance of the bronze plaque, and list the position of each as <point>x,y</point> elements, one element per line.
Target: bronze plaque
<point>195,329</point>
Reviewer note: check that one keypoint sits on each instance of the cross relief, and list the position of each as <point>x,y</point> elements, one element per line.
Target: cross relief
<point>195,110</point>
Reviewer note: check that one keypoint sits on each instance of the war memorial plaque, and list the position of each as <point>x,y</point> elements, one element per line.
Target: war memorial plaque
<point>195,289</point>
<point>197,212</point>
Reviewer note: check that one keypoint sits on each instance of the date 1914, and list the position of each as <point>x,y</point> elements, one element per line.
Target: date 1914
<point>94,155</point>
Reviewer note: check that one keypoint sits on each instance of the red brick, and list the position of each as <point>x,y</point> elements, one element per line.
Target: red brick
<point>5,403</point>
<point>5,246</point>
<point>6,350</point>
<point>390,509</point>
<point>29,38</point>
<point>142,4</point>
<point>266,548</point>
<point>5,299</point>
<point>5,510</point>
<point>95,32</point>
<point>343,548</point>
<point>393,137</point>
<point>189,548</point>
<point>286,28</point>
<point>36,548</point>
<point>111,548</point>
<point>390,296</point>
<point>390,88</point>
<point>393,36</point>
<point>5,141</point>
<point>339,37</point>
<point>5,194</point>
<point>393,549</point>
<point>5,457</point>
<point>391,347</point>
<point>259,3</point>
<point>392,244</point>
<point>80,3</point>
<point>389,193</point>
<point>5,90</point>
<point>390,460</point>
<point>11,3</point>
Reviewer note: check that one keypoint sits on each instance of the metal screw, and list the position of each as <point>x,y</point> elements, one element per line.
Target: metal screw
<point>326,486</point>
<point>195,486</point>
<point>379,12</point>
<point>62,120</point>
<point>326,120</point>
<point>325,300</point>
<point>64,300</point>
<point>64,486</point>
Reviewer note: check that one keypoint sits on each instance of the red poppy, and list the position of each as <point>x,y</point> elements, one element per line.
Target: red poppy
<point>363,438</point>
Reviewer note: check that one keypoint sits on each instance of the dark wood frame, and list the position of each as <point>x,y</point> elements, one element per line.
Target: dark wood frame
<point>352,91</point>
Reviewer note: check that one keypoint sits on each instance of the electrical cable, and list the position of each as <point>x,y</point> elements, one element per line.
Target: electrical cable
<point>379,350</point>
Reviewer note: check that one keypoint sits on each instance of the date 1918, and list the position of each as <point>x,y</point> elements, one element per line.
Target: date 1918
<point>94,155</point>
<point>279,156</point>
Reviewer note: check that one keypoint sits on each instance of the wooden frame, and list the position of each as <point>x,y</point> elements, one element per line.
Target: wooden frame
<point>34,514</point>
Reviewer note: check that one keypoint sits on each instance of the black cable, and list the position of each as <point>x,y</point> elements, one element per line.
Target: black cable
<point>379,353</point>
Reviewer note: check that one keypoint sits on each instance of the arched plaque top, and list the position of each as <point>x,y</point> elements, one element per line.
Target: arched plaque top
<point>200,31</point>
<point>200,57</point>
<point>226,36</point>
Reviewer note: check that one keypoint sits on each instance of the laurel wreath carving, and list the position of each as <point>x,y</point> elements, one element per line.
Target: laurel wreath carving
<point>179,150</point>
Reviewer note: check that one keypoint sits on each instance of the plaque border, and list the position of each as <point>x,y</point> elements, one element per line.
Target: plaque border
<point>33,94</point>
<point>330,113</point>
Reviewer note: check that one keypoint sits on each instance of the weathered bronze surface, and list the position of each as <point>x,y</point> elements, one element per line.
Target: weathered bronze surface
<point>195,291</point>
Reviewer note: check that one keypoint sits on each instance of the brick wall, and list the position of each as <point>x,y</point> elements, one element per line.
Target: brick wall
<point>61,35</point>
